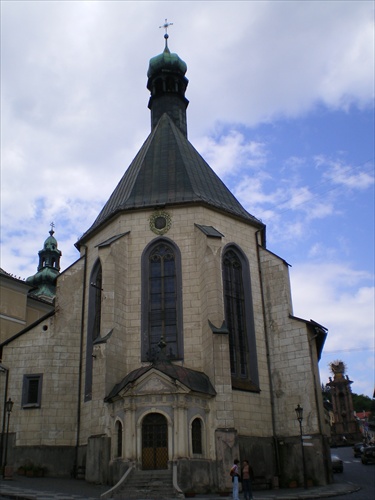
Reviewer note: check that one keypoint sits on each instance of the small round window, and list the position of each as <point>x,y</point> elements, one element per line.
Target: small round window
<point>160,222</point>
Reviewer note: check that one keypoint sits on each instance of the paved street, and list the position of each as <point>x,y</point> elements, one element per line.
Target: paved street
<point>66,489</point>
<point>357,479</point>
<point>356,472</point>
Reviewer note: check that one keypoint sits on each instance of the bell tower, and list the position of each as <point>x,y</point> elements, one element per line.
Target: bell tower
<point>44,280</point>
<point>167,84</point>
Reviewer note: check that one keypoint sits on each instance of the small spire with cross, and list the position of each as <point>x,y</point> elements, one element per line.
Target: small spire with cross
<point>52,224</point>
<point>166,26</point>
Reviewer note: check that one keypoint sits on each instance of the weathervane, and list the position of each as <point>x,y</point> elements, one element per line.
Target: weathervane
<point>166,26</point>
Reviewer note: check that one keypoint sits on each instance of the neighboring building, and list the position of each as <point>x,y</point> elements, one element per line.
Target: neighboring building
<point>19,307</point>
<point>364,420</point>
<point>173,343</point>
<point>344,428</point>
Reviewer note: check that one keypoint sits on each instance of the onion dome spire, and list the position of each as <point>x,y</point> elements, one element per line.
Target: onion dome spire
<point>167,84</point>
<point>44,280</point>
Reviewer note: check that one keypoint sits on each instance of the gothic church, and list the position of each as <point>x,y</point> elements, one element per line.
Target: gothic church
<point>172,344</point>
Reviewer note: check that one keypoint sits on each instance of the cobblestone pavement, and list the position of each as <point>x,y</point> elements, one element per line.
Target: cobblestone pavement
<point>21,488</point>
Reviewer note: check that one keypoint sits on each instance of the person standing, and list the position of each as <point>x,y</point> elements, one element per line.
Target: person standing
<point>235,473</point>
<point>246,480</point>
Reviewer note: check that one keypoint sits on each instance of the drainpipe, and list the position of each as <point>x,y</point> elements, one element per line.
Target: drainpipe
<point>6,370</point>
<point>79,395</point>
<point>318,407</point>
<point>268,357</point>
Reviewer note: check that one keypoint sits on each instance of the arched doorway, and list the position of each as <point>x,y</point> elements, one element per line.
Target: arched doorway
<point>154,442</point>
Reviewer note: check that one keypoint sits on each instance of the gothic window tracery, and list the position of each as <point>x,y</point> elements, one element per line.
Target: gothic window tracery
<point>239,319</point>
<point>161,302</point>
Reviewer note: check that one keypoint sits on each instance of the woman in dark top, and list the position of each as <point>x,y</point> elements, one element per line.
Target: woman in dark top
<point>246,480</point>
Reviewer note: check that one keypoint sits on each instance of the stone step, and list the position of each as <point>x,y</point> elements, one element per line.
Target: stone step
<point>153,484</point>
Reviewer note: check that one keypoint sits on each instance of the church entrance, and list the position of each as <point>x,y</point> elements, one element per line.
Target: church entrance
<point>154,442</point>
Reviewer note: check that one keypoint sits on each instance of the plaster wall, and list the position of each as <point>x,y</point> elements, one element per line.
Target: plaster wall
<point>17,309</point>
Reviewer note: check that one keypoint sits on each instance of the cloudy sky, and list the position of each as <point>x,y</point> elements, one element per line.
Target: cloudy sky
<point>281,106</point>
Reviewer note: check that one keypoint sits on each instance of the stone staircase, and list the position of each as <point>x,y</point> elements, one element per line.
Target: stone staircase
<point>148,484</point>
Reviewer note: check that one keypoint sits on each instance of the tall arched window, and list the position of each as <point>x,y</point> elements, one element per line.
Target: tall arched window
<point>196,436</point>
<point>118,428</point>
<point>161,302</point>
<point>93,323</point>
<point>239,319</point>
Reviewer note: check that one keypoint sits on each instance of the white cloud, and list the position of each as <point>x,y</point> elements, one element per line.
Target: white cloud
<point>342,299</point>
<point>231,152</point>
<point>333,291</point>
<point>351,176</point>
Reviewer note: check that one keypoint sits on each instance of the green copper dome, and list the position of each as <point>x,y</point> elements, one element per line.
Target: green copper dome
<point>166,61</point>
<point>44,281</point>
<point>50,243</point>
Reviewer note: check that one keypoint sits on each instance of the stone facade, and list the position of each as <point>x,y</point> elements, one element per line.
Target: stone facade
<point>104,405</point>
<point>252,424</point>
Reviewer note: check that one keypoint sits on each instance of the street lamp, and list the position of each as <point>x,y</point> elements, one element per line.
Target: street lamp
<point>8,408</point>
<point>299,413</point>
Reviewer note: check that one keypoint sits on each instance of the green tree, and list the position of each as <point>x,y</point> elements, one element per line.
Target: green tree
<point>361,402</point>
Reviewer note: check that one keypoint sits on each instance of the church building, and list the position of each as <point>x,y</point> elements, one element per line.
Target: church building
<point>172,346</point>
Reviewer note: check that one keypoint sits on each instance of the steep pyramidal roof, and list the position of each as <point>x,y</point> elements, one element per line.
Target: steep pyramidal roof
<point>168,171</point>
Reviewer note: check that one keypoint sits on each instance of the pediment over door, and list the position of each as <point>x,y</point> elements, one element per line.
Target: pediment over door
<point>154,382</point>
<point>162,378</point>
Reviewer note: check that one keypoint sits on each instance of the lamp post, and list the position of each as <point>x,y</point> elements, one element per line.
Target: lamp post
<point>8,408</point>
<point>299,413</point>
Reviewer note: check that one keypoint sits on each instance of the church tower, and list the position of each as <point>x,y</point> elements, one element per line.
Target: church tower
<point>44,280</point>
<point>167,84</point>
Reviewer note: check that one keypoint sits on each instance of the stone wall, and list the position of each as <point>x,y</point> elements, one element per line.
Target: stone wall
<point>56,461</point>
<point>289,352</point>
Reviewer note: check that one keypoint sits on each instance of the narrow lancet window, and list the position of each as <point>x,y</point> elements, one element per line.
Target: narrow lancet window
<point>93,325</point>
<point>161,302</point>
<point>239,319</point>
<point>196,436</point>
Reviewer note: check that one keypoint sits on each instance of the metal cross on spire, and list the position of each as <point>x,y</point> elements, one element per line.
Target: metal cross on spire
<point>166,26</point>
<point>52,224</point>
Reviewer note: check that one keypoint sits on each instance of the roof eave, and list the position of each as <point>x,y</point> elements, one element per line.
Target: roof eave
<point>250,220</point>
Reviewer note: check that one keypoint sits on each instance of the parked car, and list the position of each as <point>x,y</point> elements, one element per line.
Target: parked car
<point>337,464</point>
<point>358,449</point>
<point>368,455</point>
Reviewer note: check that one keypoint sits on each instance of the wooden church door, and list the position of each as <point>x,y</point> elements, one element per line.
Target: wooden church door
<point>154,442</point>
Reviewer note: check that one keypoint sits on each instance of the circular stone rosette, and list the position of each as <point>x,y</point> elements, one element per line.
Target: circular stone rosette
<point>160,222</point>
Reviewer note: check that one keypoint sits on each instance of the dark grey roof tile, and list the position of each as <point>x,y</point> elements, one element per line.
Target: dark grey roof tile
<point>169,171</point>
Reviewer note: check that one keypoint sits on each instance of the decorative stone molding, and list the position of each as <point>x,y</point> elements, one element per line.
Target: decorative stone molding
<point>160,222</point>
